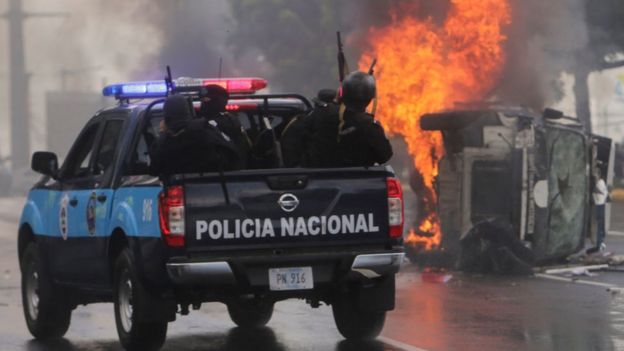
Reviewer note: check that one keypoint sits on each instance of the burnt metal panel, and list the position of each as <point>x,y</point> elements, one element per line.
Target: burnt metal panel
<point>568,189</point>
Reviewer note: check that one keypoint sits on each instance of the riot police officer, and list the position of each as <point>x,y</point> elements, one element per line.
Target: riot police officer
<point>184,148</point>
<point>348,136</point>
<point>170,153</point>
<point>296,136</point>
<point>214,100</point>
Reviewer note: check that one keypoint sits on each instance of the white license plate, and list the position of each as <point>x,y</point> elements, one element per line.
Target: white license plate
<point>292,278</point>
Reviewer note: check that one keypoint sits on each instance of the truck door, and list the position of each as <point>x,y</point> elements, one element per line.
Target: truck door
<point>99,199</point>
<point>75,178</point>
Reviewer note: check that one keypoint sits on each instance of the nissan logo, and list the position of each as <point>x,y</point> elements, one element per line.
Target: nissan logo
<point>288,202</point>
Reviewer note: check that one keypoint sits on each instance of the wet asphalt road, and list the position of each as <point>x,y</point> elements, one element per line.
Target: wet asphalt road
<point>468,313</point>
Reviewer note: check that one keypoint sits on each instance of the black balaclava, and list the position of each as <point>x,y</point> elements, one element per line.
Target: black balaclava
<point>213,98</point>
<point>177,112</point>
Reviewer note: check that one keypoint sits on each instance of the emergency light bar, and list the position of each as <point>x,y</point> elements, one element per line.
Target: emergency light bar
<point>137,89</point>
<point>158,88</point>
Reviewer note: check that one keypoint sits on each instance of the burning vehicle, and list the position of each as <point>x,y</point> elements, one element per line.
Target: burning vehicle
<point>532,173</point>
<point>480,169</point>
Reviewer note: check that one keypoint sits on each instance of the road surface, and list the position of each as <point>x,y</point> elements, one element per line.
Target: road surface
<point>470,312</point>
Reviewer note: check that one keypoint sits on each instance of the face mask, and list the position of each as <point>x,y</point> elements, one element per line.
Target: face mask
<point>211,107</point>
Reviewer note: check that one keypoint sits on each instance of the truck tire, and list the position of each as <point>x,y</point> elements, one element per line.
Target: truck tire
<point>47,312</point>
<point>250,313</point>
<point>353,322</point>
<point>130,298</point>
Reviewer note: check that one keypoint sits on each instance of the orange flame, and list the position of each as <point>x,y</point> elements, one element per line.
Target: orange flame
<point>424,67</point>
<point>431,224</point>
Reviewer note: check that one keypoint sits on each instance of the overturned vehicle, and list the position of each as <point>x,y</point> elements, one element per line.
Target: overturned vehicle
<point>528,176</point>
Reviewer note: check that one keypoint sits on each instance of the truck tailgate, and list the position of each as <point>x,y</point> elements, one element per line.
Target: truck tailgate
<point>286,208</point>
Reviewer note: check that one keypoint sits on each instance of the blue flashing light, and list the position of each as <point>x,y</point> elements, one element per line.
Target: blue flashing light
<point>158,88</point>
<point>136,90</point>
<point>155,88</point>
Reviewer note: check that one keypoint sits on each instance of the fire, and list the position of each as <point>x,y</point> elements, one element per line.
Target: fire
<point>424,67</point>
<point>430,225</point>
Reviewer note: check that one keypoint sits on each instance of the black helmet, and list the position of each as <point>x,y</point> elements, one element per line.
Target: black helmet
<point>214,99</point>
<point>326,95</point>
<point>358,89</point>
<point>177,111</point>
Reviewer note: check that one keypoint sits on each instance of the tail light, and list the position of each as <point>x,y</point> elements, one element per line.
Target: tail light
<point>234,107</point>
<point>171,215</point>
<point>395,207</point>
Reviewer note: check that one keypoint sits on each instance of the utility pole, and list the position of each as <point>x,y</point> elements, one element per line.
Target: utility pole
<point>18,87</point>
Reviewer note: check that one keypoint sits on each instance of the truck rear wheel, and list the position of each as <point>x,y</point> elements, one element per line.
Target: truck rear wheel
<point>353,322</point>
<point>250,313</point>
<point>130,299</point>
<point>47,312</point>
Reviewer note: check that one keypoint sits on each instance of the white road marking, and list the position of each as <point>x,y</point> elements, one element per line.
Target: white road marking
<point>574,268</point>
<point>578,281</point>
<point>398,344</point>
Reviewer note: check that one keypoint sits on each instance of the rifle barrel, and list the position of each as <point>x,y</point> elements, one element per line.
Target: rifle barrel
<point>371,70</point>
<point>341,58</point>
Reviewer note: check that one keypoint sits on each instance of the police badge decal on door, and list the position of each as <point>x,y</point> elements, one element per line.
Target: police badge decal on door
<point>91,213</point>
<point>63,221</point>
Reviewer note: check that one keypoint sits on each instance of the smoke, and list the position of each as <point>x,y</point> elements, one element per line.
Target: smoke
<point>195,39</point>
<point>544,41</point>
<point>295,38</point>
<point>93,43</point>
<point>292,44</point>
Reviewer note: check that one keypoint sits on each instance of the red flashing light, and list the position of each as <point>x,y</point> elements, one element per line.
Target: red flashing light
<point>221,83</point>
<point>171,215</point>
<point>395,207</point>
<point>238,85</point>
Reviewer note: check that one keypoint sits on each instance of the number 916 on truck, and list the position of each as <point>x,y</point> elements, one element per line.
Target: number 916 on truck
<point>99,228</point>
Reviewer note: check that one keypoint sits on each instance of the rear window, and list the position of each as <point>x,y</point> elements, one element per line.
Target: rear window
<point>251,120</point>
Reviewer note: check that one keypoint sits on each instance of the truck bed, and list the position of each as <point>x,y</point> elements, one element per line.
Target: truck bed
<point>285,208</point>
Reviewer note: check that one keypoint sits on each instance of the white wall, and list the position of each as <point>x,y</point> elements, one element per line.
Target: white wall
<point>607,103</point>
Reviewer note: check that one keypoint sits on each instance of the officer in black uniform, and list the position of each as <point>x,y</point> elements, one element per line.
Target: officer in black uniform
<point>186,148</point>
<point>214,99</point>
<point>296,136</point>
<point>347,136</point>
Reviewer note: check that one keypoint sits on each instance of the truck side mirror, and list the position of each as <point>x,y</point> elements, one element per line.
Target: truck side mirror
<point>45,163</point>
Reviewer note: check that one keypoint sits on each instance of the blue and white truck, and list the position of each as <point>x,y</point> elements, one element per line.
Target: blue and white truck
<point>99,228</point>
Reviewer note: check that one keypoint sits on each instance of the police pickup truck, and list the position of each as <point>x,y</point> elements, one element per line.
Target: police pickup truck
<point>100,229</point>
